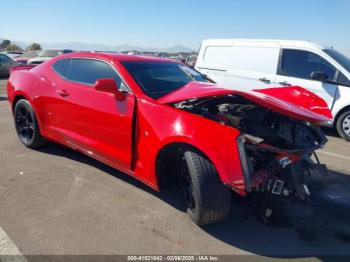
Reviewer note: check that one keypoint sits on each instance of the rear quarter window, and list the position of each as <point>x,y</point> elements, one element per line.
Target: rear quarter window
<point>61,67</point>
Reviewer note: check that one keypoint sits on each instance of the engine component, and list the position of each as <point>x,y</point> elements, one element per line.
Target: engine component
<point>274,149</point>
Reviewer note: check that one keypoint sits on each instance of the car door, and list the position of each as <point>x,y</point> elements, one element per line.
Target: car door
<point>90,120</point>
<point>5,65</point>
<point>296,67</point>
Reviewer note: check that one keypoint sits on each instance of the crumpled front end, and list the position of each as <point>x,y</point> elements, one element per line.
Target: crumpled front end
<point>282,169</point>
<point>276,150</point>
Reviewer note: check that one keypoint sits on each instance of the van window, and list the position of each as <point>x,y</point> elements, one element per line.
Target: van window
<point>250,58</point>
<point>343,80</point>
<point>339,57</point>
<point>300,64</point>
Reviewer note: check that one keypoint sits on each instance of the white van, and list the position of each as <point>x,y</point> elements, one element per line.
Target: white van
<point>250,64</point>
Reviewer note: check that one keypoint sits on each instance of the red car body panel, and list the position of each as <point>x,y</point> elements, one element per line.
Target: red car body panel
<point>300,97</point>
<point>24,60</point>
<point>158,128</point>
<point>293,101</point>
<point>130,134</point>
<point>21,67</point>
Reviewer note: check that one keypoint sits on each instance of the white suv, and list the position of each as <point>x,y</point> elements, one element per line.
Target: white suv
<point>251,64</point>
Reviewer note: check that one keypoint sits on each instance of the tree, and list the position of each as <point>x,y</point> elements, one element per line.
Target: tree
<point>13,47</point>
<point>34,47</point>
<point>4,44</point>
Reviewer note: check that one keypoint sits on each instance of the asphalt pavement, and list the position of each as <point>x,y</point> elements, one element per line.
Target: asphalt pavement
<point>57,201</point>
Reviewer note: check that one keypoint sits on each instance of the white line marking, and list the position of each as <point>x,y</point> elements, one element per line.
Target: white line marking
<point>333,154</point>
<point>8,248</point>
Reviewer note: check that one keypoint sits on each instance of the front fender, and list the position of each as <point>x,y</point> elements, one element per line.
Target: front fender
<point>159,126</point>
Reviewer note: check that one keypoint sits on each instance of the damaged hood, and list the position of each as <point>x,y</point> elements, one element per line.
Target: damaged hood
<point>293,101</point>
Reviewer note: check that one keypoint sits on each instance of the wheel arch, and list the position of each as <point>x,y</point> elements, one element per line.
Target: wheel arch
<point>168,157</point>
<point>20,96</point>
<point>339,113</point>
<point>16,99</point>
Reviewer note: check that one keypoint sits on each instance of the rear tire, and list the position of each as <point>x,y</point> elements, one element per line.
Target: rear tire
<point>208,200</point>
<point>343,125</point>
<point>27,126</point>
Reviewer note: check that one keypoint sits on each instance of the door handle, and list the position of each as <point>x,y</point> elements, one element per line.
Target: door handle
<point>63,93</point>
<point>265,80</point>
<point>284,83</point>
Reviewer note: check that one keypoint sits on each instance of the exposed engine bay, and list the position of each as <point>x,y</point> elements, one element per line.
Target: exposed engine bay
<point>276,151</point>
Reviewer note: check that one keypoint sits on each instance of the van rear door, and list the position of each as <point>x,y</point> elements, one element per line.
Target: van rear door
<point>242,65</point>
<point>212,60</point>
<point>253,65</point>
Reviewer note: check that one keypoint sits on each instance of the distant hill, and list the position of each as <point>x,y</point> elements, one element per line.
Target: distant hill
<point>101,47</point>
<point>118,48</point>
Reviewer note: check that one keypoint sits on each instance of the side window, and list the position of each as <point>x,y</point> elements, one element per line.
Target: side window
<point>343,80</point>
<point>4,59</point>
<point>61,67</point>
<point>298,63</point>
<point>87,71</point>
<point>328,69</point>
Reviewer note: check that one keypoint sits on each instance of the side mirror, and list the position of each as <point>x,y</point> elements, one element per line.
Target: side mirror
<point>108,85</point>
<point>319,76</point>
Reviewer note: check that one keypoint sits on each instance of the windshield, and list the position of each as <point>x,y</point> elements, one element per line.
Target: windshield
<point>158,79</point>
<point>339,57</point>
<point>50,53</point>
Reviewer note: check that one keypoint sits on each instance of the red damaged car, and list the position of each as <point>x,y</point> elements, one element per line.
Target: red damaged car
<point>161,122</point>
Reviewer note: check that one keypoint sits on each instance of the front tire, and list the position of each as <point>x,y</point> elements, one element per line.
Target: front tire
<point>27,126</point>
<point>343,125</point>
<point>208,200</point>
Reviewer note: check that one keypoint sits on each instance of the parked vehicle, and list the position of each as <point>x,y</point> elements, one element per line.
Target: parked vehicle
<point>250,64</point>
<point>47,55</point>
<point>159,121</point>
<point>6,63</point>
<point>191,61</point>
<point>12,54</point>
<point>23,59</point>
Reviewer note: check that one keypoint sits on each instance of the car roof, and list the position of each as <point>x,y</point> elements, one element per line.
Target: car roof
<point>5,54</point>
<point>116,57</point>
<point>290,43</point>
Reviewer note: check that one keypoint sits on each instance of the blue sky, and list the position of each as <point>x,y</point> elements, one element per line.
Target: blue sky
<point>164,23</point>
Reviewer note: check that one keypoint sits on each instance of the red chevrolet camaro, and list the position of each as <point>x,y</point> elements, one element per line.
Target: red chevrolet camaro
<point>161,122</point>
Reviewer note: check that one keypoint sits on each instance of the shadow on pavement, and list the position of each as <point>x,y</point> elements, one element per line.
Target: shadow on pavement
<point>330,132</point>
<point>320,228</point>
